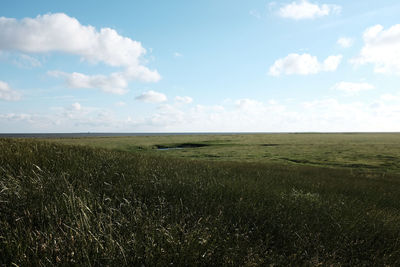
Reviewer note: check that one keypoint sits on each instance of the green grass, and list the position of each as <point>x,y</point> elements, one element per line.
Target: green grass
<point>65,204</point>
<point>377,151</point>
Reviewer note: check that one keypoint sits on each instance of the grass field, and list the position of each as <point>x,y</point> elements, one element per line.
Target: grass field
<point>221,200</point>
<point>380,151</point>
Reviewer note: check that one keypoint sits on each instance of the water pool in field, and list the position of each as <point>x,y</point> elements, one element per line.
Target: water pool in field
<point>168,148</point>
<point>179,146</point>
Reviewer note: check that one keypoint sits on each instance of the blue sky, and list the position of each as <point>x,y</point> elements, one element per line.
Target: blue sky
<point>199,66</point>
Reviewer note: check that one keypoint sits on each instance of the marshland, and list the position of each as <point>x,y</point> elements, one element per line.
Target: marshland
<point>220,200</point>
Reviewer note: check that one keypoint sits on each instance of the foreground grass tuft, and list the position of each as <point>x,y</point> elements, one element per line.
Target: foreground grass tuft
<point>64,204</point>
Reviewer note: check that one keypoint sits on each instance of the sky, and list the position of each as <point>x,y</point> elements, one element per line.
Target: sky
<point>199,66</point>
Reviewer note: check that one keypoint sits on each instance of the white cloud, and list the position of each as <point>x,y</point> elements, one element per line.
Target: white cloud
<point>74,117</point>
<point>331,63</point>
<point>295,64</point>
<point>306,10</point>
<point>247,104</point>
<point>167,116</point>
<point>17,117</point>
<point>61,33</point>
<point>7,93</point>
<point>332,115</point>
<point>303,64</point>
<point>184,99</point>
<point>382,49</point>
<point>115,83</point>
<point>261,117</point>
<point>140,73</point>
<point>152,97</point>
<point>76,106</point>
<point>345,42</point>
<point>242,115</point>
<point>351,88</point>
<point>390,97</point>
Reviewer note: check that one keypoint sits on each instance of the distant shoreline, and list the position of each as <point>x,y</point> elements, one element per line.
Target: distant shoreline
<point>78,135</point>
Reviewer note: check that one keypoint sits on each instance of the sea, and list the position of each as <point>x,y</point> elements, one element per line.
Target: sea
<point>89,134</point>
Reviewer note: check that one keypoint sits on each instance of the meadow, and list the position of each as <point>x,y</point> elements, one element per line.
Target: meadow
<point>207,200</point>
<point>375,151</point>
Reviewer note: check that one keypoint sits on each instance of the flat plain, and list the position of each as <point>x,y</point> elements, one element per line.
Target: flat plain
<point>201,200</point>
<point>380,151</point>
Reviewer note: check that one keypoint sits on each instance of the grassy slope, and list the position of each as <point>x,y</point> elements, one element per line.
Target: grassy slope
<point>372,151</point>
<point>66,204</point>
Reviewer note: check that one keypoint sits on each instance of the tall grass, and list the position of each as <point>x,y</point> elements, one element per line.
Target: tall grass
<point>63,204</point>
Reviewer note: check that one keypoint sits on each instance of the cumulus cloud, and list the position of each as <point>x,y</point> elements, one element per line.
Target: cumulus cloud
<point>303,64</point>
<point>140,73</point>
<point>247,104</point>
<point>114,83</point>
<point>345,42</point>
<point>241,115</point>
<point>76,106</point>
<point>382,49</point>
<point>331,63</point>
<point>167,116</point>
<point>236,115</point>
<point>17,117</point>
<point>184,99</point>
<point>333,115</point>
<point>152,97</point>
<point>306,10</point>
<point>73,117</point>
<point>61,33</point>
<point>7,93</point>
<point>352,88</point>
